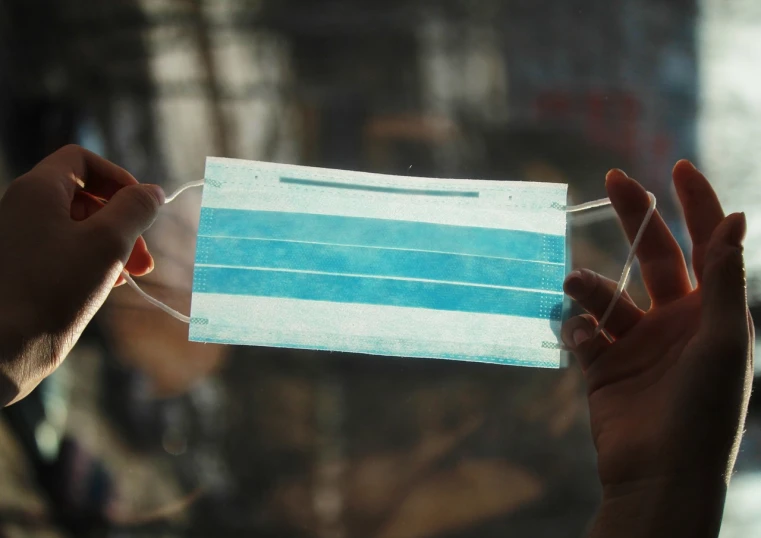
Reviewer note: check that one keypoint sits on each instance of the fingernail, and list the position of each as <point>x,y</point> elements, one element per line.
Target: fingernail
<point>688,164</point>
<point>615,171</point>
<point>575,284</point>
<point>152,263</point>
<point>580,336</point>
<point>157,192</point>
<point>738,231</point>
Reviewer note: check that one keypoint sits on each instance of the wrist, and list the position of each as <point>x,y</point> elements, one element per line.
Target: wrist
<point>11,352</point>
<point>678,506</point>
<point>16,359</point>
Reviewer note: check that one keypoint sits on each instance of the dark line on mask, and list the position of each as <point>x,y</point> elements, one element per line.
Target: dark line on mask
<point>371,188</point>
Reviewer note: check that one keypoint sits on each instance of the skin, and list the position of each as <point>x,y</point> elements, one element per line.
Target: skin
<point>63,251</point>
<point>668,392</point>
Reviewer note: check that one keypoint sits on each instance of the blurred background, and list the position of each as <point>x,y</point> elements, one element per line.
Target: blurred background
<point>142,433</point>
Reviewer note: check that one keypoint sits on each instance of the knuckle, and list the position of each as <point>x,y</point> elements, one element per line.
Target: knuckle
<point>19,190</point>
<point>62,161</point>
<point>598,289</point>
<point>143,200</point>
<point>16,187</point>
<point>61,157</point>
<point>71,149</point>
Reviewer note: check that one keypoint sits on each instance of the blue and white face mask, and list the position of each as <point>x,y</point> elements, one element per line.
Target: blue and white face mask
<point>320,259</point>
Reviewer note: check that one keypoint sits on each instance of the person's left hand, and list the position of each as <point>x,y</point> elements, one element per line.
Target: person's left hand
<point>63,251</point>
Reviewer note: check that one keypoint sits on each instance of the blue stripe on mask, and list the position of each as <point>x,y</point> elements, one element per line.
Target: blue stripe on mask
<point>338,230</point>
<point>381,262</point>
<point>378,291</point>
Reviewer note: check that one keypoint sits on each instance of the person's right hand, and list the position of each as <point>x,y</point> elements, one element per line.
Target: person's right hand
<point>669,393</point>
<point>63,251</point>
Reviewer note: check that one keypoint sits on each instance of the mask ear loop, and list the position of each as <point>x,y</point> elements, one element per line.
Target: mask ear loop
<point>131,283</point>
<point>622,283</point>
<point>626,273</point>
<point>155,302</point>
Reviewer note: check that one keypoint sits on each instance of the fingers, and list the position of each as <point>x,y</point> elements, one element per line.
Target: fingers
<point>702,210</point>
<point>140,262</point>
<point>578,335</point>
<point>725,304</point>
<point>118,225</point>
<point>663,267</point>
<point>75,165</point>
<point>595,292</point>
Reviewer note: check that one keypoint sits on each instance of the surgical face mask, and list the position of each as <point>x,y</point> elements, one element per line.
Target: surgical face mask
<point>319,259</point>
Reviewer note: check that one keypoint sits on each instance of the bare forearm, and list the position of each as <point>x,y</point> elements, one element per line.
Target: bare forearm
<point>16,348</point>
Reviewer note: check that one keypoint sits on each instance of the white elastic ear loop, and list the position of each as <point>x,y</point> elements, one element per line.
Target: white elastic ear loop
<point>155,302</point>
<point>183,188</point>
<point>622,283</point>
<point>131,283</point>
<point>626,273</point>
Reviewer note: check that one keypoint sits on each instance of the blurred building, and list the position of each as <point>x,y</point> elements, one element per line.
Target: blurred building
<point>730,113</point>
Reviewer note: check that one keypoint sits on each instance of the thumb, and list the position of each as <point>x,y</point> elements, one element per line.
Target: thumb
<point>129,213</point>
<point>725,302</point>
